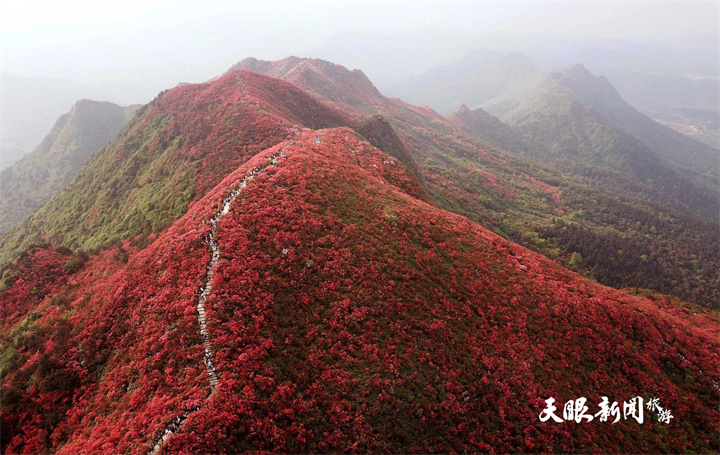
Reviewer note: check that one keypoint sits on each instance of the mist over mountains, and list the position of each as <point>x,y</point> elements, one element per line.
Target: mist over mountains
<point>678,91</point>
<point>677,88</point>
<point>31,105</point>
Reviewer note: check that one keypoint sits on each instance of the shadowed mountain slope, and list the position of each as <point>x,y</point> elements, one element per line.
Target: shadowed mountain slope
<point>76,137</point>
<point>488,128</point>
<point>599,121</point>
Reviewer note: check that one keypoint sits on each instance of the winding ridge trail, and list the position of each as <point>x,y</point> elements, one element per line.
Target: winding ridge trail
<point>205,291</point>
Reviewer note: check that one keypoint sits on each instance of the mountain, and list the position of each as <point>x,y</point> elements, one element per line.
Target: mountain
<point>575,120</point>
<point>170,155</point>
<point>629,233</point>
<point>684,103</point>
<point>677,88</point>
<point>31,105</point>
<point>75,137</point>
<point>344,88</point>
<point>307,302</point>
<point>510,87</point>
<point>474,80</point>
<point>389,60</point>
<point>488,128</point>
<point>581,122</point>
<point>421,129</point>
<point>597,97</point>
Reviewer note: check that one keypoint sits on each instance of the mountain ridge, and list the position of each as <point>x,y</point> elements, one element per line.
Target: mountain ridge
<point>480,123</point>
<point>301,71</point>
<point>155,139</point>
<point>339,303</point>
<point>75,137</point>
<point>181,146</point>
<point>598,93</point>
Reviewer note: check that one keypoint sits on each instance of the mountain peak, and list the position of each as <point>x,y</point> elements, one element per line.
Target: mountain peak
<point>333,82</point>
<point>578,82</point>
<point>518,60</point>
<point>84,104</point>
<point>489,129</point>
<point>579,70</point>
<point>73,140</point>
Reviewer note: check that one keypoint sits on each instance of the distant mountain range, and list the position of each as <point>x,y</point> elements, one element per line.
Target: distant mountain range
<point>570,112</point>
<point>577,84</point>
<point>646,73</point>
<point>680,89</point>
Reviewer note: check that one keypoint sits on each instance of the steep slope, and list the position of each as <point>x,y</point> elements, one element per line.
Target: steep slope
<point>580,123</point>
<point>76,137</point>
<point>488,128</point>
<point>629,233</point>
<point>583,95</point>
<point>174,150</point>
<point>329,81</point>
<point>343,315</point>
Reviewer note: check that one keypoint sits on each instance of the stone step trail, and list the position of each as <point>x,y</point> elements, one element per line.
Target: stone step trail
<point>204,293</point>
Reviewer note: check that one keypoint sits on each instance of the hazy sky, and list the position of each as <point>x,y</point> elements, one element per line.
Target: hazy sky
<point>162,43</point>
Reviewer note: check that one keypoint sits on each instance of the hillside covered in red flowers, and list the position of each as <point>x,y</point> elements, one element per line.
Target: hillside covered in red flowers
<point>304,265</point>
<point>189,138</point>
<point>621,230</point>
<point>345,316</point>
